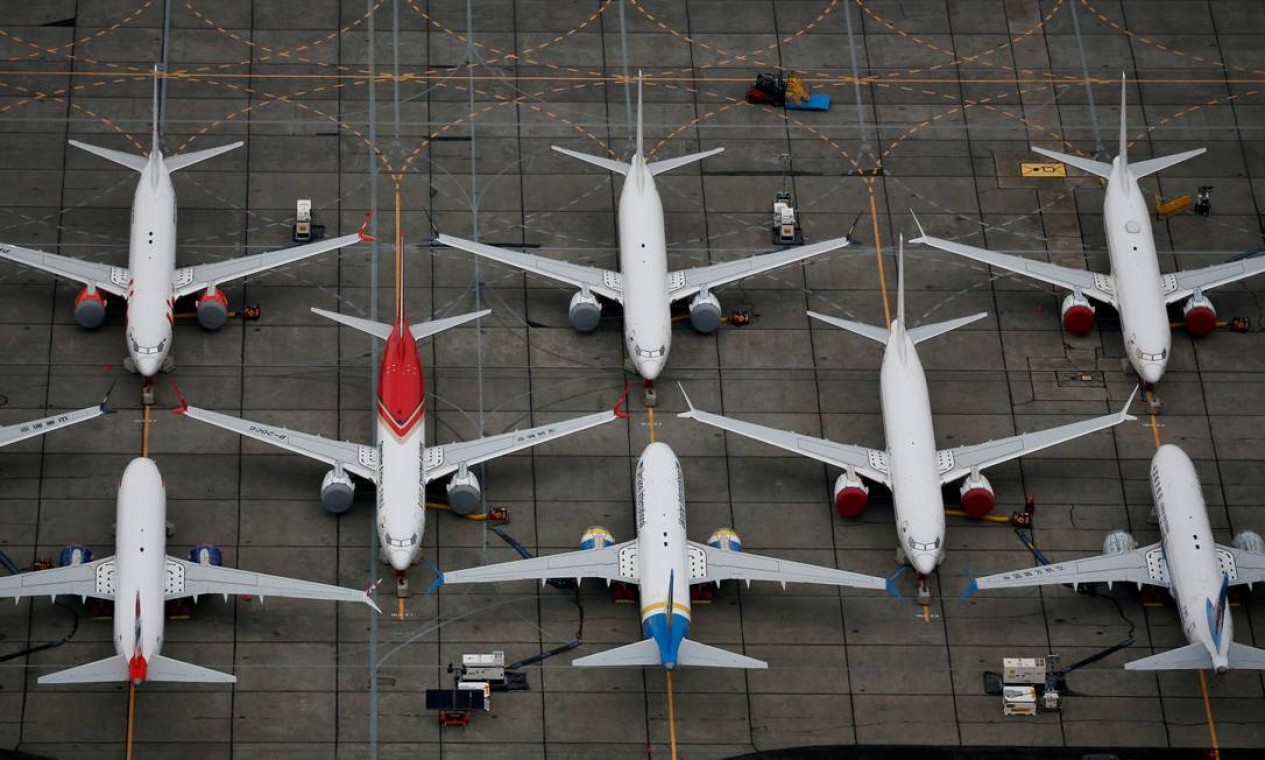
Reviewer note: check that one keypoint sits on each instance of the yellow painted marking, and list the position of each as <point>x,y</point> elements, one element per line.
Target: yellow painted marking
<point>676,607</point>
<point>650,414</point>
<point>672,714</point>
<point>1036,169</point>
<point>400,607</point>
<point>1212,726</point>
<point>878,256</point>
<point>131,715</point>
<point>145,432</point>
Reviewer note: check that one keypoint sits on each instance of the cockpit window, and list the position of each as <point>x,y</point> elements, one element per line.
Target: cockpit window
<point>654,353</point>
<point>924,546</point>
<point>1144,356</point>
<point>402,542</point>
<point>144,350</point>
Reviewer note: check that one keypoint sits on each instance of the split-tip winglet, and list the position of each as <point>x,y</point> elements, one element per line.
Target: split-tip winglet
<point>889,583</point>
<point>363,232</point>
<point>104,406</point>
<point>184,405</point>
<point>970,589</point>
<point>1129,417</point>
<point>620,412</point>
<point>439,580</point>
<point>369,592</point>
<point>690,413</point>
<point>921,232</point>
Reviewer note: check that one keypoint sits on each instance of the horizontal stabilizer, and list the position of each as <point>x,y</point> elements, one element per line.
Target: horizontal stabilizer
<point>185,160</point>
<point>1189,657</point>
<point>102,671</point>
<point>1084,164</point>
<point>1243,657</point>
<point>609,164</point>
<point>639,654</point>
<point>927,332</point>
<point>668,164</point>
<point>873,332</point>
<point>166,669</point>
<point>131,161</point>
<point>427,329</point>
<point>377,329</point>
<point>699,655</point>
<point>1153,165</point>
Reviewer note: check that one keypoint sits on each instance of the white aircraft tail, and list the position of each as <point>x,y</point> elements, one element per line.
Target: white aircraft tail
<point>1189,657</point>
<point>654,167</point>
<point>1243,657</point>
<point>916,334</point>
<point>699,655</point>
<point>138,163</point>
<point>639,654</point>
<point>383,330</point>
<point>115,668</point>
<point>1139,170</point>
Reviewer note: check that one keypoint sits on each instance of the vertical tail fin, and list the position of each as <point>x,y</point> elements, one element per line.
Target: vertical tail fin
<point>156,112</point>
<point>900,281</point>
<point>641,148</point>
<point>1124,122</point>
<point>671,609</point>
<point>1217,613</point>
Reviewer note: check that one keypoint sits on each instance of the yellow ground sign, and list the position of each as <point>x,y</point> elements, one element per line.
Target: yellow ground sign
<point>1043,170</point>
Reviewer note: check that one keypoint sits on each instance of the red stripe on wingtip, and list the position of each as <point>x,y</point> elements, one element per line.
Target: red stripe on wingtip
<point>363,232</point>
<point>619,411</point>
<point>184,405</point>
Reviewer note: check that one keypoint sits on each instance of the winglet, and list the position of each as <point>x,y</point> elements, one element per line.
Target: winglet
<point>970,589</point>
<point>104,406</point>
<point>439,580</point>
<point>184,405</point>
<point>889,585</point>
<point>1129,417</point>
<point>921,232</point>
<point>369,600</point>
<point>363,232</point>
<point>620,412</point>
<point>690,404</point>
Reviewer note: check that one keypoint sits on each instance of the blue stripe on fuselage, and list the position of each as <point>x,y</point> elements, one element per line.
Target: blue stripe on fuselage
<point>656,627</point>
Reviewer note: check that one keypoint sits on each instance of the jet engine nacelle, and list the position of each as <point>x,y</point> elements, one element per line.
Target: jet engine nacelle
<point>705,313</point>
<point>206,554</point>
<point>465,496</point>
<point>1078,314</point>
<point>725,539</point>
<point>337,491</point>
<point>851,496</point>
<point>1200,317</point>
<point>89,308</point>
<point>1249,541</point>
<point>212,309</point>
<point>596,537</point>
<point>74,554</point>
<point>977,495</point>
<point>585,312</point>
<point>1119,542</point>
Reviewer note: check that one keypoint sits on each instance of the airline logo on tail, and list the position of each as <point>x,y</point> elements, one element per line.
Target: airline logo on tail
<point>1217,612</point>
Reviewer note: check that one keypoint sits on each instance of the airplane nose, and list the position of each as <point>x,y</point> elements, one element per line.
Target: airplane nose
<point>1151,373</point>
<point>924,564</point>
<point>148,366</point>
<point>650,368</point>
<point>401,559</point>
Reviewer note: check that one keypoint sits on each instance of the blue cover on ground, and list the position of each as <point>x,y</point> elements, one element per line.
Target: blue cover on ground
<point>811,103</point>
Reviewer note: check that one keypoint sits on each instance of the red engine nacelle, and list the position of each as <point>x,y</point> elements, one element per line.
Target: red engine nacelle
<point>212,309</point>
<point>89,308</point>
<point>977,495</point>
<point>1200,317</point>
<point>851,496</point>
<point>1078,314</point>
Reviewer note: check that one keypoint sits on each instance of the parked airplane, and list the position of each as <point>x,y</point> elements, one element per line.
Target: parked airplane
<point>664,564</point>
<point>911,466</point>
<point>400,464</point>
<point>151,283</point>
<point>643,284</point>
<point>140,578</point>
<point>1197,570</point>
<point>22,430</point>
<point>1135,286</point>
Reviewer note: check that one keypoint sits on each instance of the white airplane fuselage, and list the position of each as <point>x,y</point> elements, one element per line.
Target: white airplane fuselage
<point>140,566</point>
<point>1194,572</point>
<point>662,549</point>
<point>152,261</point>
<point>911,453</point>
<point>643,263</point>
<point>401,421</point>
<point>1136,273</point>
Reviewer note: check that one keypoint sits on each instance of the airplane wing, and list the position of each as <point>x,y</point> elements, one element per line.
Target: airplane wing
<point>446,458</point>
<point>113,280</point>
<point>188,280</point>
<point>728,565</point>
<point>355,458</point>
<point>23,430</point>
<point>1099,287</point>
<point>90,579</point>
<point>602,282</point>
<point>193,579</point>
<point>1181,285</point>
<point>684,283</point>
<point>870,463</point>
<point>613,563</point>
<point>1247,568</point>
<point>1129,567</point>
<point>958,462</point>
